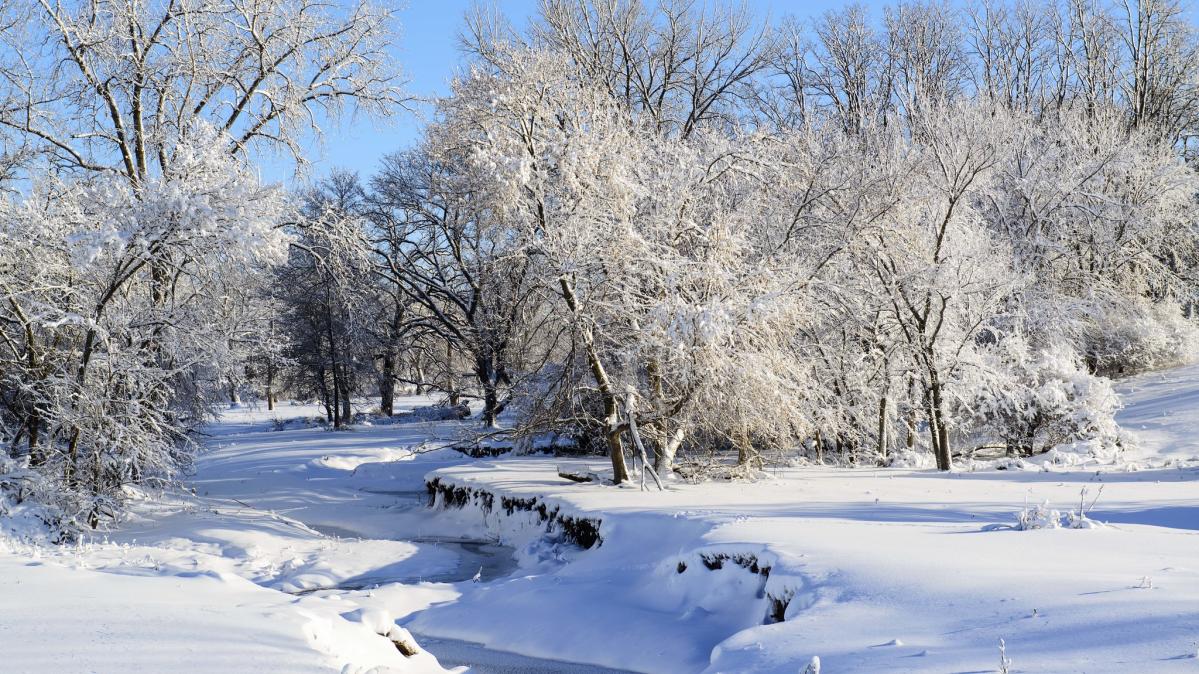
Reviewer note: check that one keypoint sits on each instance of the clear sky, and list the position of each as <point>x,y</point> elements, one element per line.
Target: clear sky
<point>428,54</point>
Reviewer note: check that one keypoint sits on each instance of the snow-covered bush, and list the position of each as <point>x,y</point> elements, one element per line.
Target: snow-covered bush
<point>33,509</point>
<point>1038,516</point>
<point>1032,398</point>
<point>1041,516</point>
<point>1133,335</point>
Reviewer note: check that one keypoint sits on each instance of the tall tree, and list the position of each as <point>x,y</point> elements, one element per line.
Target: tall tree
<point>112,86</point>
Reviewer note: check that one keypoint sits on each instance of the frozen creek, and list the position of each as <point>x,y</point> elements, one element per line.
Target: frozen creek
<point>490,561</point>
<point>320,480</point>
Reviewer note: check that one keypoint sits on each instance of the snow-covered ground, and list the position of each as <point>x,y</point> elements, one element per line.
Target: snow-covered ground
<point>301,547</point>
<point>881,570</point>
<point>236,577</point>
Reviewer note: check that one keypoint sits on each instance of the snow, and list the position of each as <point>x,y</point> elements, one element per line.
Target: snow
<point>1161,414</point>
<point>307,549</point>
<point>886,570</point>
<point>65,619</point>
<point>226,580</point>
<point>871,557</point>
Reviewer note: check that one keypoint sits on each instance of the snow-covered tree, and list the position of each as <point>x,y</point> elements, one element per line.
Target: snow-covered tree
<point>324,292</point>
<point>107,372</point>
<point>111,85</point>
<point>440,244</point>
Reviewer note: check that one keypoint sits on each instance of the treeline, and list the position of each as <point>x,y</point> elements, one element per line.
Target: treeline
<point>673,230</point>
<point>667,228</point>
<point>136,238</point>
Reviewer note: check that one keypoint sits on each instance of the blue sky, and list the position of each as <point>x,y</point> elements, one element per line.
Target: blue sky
<point>428,53</point>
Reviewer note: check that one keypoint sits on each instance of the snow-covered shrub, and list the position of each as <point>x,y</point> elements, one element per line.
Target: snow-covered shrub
<point>1041,516</point>
<point>1038,516</point>
<point>910,458</point>
<point>33,509</point>
<point>1077,519</point>
<point>1134,335</point>
<point>1032,398</point>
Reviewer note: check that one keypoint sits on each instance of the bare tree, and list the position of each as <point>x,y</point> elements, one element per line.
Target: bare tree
<point>850,70</point>
<point>438,245</point>
<point>1012,51</point>
<point>1159,82</point>
<point>924,44</point>
<point>112,85</point>
<point>680,64</point>
<point>324,289</point>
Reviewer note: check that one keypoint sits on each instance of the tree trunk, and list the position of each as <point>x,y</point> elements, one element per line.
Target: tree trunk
<point>325,398</point>
<point>333,360</point>
<point>936,425</point>
<point>745,449</point>
<point>450,387</point>
<point>270,386</point>
<point>882,428</point>
<point>664,459</point>
<point>490,405</point>
<point>347,412</point>
<point>336,388</point>
<point>418,365</point>
<point>620,471</point>
<point>336,401</point>
<point>36,456</point>
<point>387,385</point>
<point>72,462</point>
<point>485,371</point>
<point>615,446</point>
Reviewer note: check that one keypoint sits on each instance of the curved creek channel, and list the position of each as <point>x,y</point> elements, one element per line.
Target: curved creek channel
<point>490,561</point>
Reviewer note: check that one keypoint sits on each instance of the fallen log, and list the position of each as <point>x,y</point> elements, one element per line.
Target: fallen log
<point>579,477</point>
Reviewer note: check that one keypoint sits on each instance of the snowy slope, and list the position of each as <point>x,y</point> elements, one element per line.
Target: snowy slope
<point>220,582</point>
<point>63,618</point>
<point>1161,413</point>
<point>885,570</point>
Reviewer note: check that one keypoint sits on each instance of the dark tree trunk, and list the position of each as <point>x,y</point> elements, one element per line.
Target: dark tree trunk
<point>270,385</point>
<point>347,411</point>
<point>882,427</point>
<point>612,430</point>
<point>36,456</point>
<point>326,400</point>
<point>336,399</point>
<point>936,425</point>
<point>387,385</point>
<point>333,364</point>
<point>487,374</point>
<point>490,405</point>
<point>620,472</point>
